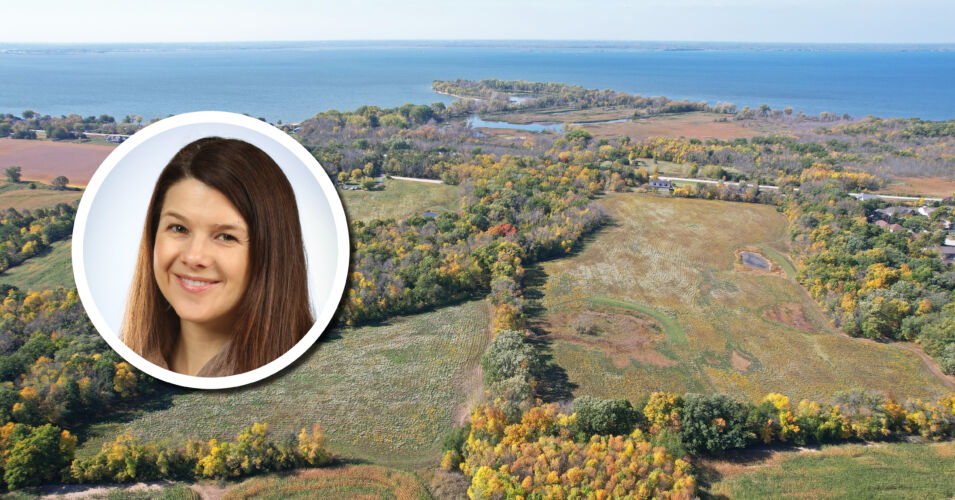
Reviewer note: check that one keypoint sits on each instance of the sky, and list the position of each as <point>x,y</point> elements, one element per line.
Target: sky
<point>768,21</point>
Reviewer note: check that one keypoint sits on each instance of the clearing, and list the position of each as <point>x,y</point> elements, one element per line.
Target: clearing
<point>383,393</point>
<point>671,262</point>
<point>21,197</point>
<point>51,270</point>
<point>877,470</point>
<point>399,199</point>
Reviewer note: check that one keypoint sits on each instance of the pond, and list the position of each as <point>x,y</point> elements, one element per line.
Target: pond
<point>755,261</point>
<point>475,121</point>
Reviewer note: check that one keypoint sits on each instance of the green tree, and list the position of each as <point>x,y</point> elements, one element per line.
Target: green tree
<point>713,424</point>
<point>604,416</point>
<point>13,174</point>
<point>509,355</point>
<point>60,182</point>
<point>578,134</point>
<point>39,458</point>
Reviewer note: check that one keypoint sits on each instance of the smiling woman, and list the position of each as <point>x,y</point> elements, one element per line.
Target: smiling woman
<point>220,281</point>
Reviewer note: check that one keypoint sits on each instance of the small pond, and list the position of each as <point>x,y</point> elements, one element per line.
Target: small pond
<point>475,121</point>
<point>755,261</point>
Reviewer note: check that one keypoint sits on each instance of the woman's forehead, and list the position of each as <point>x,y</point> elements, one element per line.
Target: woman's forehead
<point>193,201</point>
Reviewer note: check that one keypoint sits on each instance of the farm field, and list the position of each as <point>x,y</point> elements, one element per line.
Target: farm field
<point>22,198</point>
<point>383,393</point>
<point>52,270</point>
<point>399,199</point>
<point>940,187</point>
<point>668,308</point>
<point>45,160</point>
<point>897,470</point>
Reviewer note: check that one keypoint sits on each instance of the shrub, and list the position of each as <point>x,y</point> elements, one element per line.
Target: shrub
<point>713,424</point>
<point>604,416</point>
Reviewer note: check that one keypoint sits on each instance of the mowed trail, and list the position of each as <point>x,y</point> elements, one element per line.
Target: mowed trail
<point>45,160</point>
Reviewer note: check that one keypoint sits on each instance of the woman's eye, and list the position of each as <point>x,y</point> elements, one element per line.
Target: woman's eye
<point>227,237</point>
<point>177,228</point>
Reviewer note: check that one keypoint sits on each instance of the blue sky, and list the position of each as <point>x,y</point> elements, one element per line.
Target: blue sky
<point>814,21</point>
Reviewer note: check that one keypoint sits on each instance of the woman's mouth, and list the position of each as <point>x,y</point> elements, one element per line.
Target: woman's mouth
<point>195,285</point>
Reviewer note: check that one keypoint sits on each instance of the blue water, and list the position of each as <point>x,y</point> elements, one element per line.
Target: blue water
<point>292,82</point>
<point>476,121</point>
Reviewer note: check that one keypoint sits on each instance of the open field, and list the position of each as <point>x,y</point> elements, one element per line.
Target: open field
<point>21,197</point>
<point>44,160</point>
<point>348,481</point>
<point>51,270</point>
<point>926,186</point>
<point>699,125</point>
<point>671,261</point>
<point>899,470</point>
<point>384,393</point>
<point>399,199</point>
<point>562,115</point>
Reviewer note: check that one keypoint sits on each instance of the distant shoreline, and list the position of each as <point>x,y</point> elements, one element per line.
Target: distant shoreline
<point>674,45</point>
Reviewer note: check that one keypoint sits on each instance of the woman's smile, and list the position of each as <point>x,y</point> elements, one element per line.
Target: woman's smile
<point>195,285</point>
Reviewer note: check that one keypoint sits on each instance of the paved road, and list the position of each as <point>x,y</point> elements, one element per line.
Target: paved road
<point>416,179</point>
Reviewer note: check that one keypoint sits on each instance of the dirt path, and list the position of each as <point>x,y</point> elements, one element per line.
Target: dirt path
<point>207,490</point>
<point>472,384</point>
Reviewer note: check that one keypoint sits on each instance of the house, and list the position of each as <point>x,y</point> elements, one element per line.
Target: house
<point>927,210</point>
<point>117,138</point>
<point>864,196</point>
<point>660,185</point>
<point>430,214</point>
<point>881,223</point>
<point>948,254</point>
<point>894,211</point>
<point>895,227</point>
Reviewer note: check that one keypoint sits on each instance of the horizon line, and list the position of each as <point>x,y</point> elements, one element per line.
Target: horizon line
<point>478,40</point>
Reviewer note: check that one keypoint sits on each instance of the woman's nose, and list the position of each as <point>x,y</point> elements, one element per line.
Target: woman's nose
<point>196,253</point>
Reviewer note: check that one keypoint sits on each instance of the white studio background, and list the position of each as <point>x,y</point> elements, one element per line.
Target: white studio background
<point>118,196</point>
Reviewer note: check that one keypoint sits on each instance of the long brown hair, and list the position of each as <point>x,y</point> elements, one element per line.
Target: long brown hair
<point>274,312</point>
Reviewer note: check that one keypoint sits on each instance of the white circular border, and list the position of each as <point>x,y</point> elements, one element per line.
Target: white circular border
<point>324,315</point>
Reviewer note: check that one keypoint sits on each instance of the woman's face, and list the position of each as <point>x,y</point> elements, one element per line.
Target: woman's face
<point>201,257</point>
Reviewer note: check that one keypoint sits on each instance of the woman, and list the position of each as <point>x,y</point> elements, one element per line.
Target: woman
<point>220,282</point>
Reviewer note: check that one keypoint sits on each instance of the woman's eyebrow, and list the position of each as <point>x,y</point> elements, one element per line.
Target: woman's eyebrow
<point>221,226</point>
<point>170,213</point>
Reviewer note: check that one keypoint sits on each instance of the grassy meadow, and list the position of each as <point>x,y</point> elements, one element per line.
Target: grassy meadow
<point>671,309</point>
<point>52,269</point>
<point>399,199</point>
<point>20,197</point>
<point>384,393</point>
<point>898,470</point>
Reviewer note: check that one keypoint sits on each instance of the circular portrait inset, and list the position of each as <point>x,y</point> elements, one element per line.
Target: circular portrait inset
<point>210,250</point>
